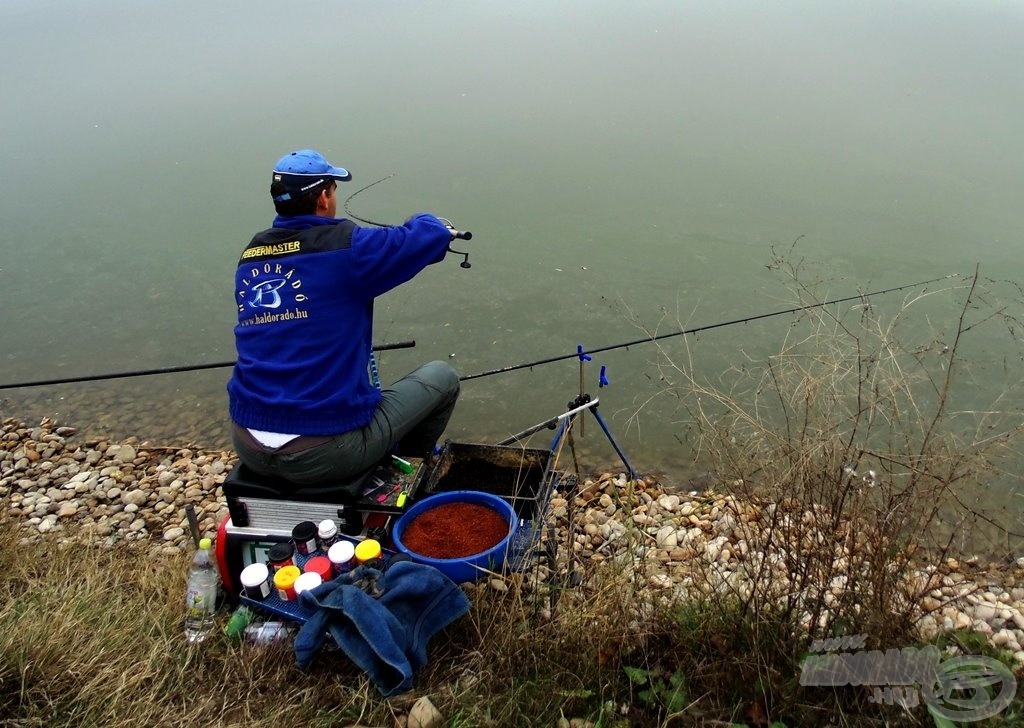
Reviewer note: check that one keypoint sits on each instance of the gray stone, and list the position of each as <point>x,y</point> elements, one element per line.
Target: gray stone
<point>137,497</point>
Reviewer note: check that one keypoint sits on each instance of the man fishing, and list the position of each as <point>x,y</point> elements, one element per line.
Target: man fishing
<point>301,398</point>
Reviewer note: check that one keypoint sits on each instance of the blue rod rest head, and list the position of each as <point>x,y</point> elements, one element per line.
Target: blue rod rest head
<point>602,380</point>
<point>580,353</point>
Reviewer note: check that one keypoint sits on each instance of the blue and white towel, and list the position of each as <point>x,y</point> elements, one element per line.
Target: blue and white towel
<point>385,635</point>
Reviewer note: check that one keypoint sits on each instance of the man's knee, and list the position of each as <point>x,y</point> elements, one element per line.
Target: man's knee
<point>442,376</point>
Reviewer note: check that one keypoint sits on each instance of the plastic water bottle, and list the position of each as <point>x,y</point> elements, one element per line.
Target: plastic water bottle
<point>261,633</point>
<point>201,597</point>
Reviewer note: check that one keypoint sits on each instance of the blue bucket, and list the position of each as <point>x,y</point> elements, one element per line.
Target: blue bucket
<point>467,568</point>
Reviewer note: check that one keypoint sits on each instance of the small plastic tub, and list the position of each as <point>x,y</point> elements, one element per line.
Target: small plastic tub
<point>255,580</point>
<point>309,580</point>
<point>326,534</point>
<point>319,565</point>
<point>368,550</point>
<point>284,582</point>
<point>304,538</point>
<point>467,568</point>
<point>342,556</point>
<point>281,555</point>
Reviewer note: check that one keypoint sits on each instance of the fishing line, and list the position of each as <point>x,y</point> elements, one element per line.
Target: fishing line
<point>698,329</point>
<point>363,189</point>
<point>371,222</point>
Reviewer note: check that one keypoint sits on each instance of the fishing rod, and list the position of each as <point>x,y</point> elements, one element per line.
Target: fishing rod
<point>698,329</point>
<point>165,370</point>
<point>490,372</point>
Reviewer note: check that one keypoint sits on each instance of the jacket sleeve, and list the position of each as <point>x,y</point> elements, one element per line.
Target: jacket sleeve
<point>387,257</point>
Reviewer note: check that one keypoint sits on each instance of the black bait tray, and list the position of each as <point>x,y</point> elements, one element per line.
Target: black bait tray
<point>521,476</point>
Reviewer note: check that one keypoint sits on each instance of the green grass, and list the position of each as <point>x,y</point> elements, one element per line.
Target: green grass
<point>93,636</point>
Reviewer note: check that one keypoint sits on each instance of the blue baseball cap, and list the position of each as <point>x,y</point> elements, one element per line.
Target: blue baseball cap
<point>303,171</point>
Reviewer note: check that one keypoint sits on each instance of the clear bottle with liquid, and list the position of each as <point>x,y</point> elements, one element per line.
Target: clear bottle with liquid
<point>201,597</point>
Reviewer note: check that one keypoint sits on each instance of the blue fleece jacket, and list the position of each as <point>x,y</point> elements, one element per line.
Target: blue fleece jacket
<point>304,291</point>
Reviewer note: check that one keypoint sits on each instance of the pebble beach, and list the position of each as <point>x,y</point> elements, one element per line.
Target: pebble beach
<point>59,487</point>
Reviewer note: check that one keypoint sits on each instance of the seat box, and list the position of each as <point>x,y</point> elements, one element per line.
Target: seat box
<point>267,503</point>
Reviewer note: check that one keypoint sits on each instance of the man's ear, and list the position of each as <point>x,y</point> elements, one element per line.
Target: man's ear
<point>322,199</point>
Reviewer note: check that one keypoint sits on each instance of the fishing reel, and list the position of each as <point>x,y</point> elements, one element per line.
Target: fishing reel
<point>458,235</point>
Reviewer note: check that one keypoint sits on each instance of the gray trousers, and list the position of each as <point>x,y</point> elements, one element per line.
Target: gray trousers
<point>409,419</point>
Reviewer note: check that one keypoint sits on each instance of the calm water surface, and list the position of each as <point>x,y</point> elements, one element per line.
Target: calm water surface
<point>615,161</point>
